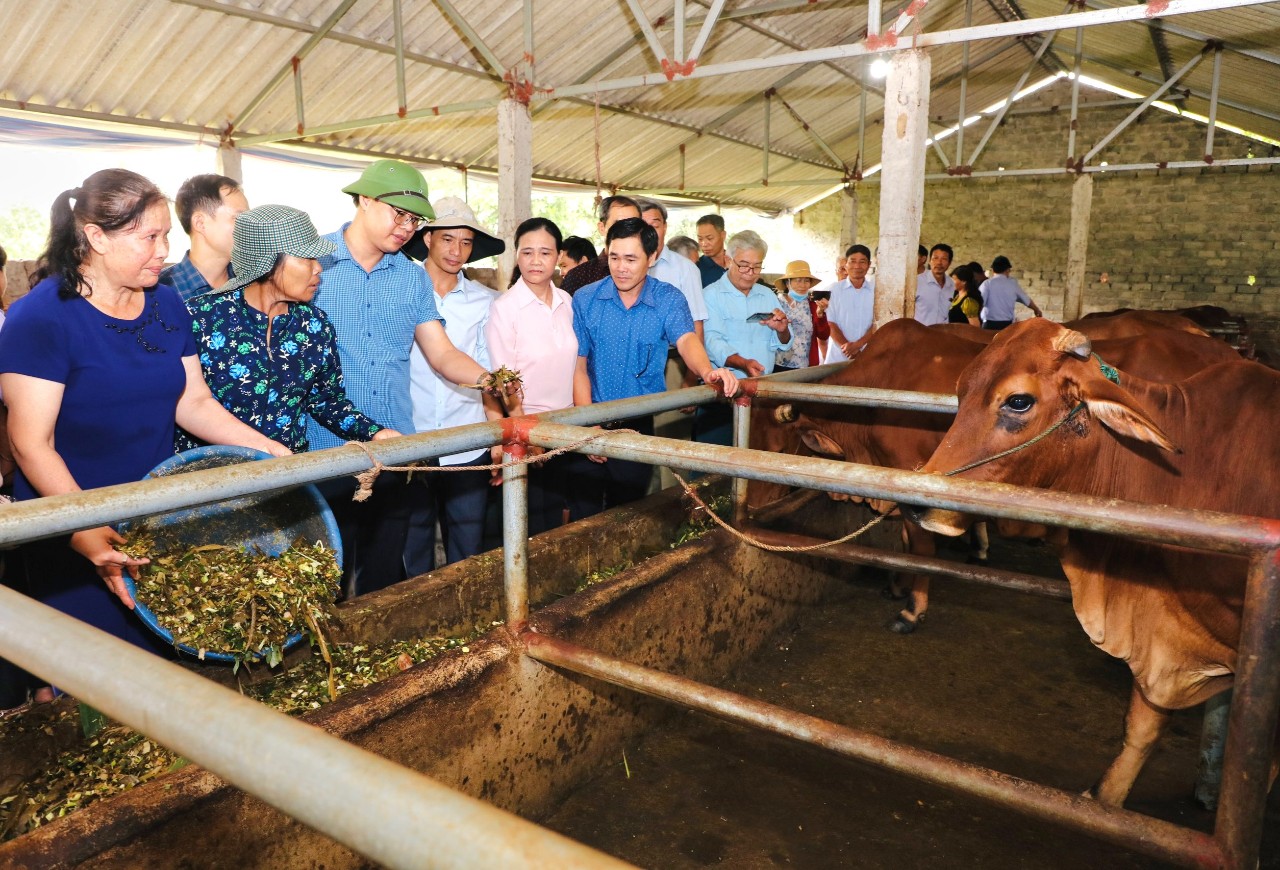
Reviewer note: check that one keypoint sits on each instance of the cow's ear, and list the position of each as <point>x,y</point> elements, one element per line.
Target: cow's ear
<point>819,443</point>
<point>1114,408</point>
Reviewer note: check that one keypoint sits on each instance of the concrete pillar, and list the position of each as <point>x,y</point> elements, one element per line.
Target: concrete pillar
<point>906,127</point>
<point>515,177</point>
<point>1078,246</point>
<point>848,219</point>
<point>228,162</point>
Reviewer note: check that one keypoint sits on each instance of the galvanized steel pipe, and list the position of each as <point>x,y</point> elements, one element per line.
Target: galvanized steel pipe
<point>1209,530</point>
<point>867,397</point>
<point>1163,840</point>
<point>859,554</point>
<point>385,812</point>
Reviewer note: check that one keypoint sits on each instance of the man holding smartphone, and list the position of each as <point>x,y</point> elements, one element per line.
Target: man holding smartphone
<point>745,329</point>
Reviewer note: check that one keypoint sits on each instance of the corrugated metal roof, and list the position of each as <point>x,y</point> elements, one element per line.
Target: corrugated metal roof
<point>199,65</point>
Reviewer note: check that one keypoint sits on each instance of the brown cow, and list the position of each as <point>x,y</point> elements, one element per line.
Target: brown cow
<point>906,439</point>
<point>1206,442</point>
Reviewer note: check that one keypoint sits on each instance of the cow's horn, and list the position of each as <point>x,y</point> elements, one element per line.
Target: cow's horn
<point>784,414</point>
<point>1072,342</point>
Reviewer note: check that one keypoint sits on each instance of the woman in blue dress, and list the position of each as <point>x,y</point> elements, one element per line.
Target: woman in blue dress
<point>97,364</point>
<point>269,357</point>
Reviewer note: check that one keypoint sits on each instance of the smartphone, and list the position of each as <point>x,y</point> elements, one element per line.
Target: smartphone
<point>760,317</point>
<point>821,294</point>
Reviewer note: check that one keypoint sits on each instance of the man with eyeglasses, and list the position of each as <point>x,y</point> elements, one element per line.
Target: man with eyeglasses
<point>745,328</point>
<point>381,304</point>
<point>624,325</point>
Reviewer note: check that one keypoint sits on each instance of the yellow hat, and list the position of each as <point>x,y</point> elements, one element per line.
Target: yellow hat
<point>795,269</point>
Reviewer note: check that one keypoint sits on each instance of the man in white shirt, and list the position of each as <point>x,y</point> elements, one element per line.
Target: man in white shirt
<point>676,270</point>
<point>852,311</point>
<point>458,500</point>
<point>935,288</point>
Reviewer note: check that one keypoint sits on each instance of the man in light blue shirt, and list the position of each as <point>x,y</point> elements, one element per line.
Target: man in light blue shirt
<point>1000,293</point>
<point>459,499</point>
<point>737,336</point>
<point>745,327</point>
<point>380,305</point>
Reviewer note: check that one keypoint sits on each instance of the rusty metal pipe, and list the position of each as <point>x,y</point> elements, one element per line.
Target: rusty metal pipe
<point>859,554</point>
<point>867,397</point>
<point>393,816</point>
<point>1255,705</point>
<point>1208,530</point>
<point>1154,837</point>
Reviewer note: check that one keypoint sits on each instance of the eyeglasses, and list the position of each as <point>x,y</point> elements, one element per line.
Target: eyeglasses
<point>403,218</point>
<point>748,268</point>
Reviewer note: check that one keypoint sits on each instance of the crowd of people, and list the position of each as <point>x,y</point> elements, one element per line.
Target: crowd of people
<point>269,335</point>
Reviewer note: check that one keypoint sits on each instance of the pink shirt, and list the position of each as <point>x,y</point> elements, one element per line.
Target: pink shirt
<point>536,340</point>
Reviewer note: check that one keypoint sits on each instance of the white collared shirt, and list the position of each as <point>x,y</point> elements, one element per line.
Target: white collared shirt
<point>437,402</point>
<point>853,309</point>
<point>679,271</point>
<point>933,299</point>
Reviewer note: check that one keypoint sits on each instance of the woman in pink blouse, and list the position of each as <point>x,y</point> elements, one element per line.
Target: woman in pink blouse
<point>530,330</point>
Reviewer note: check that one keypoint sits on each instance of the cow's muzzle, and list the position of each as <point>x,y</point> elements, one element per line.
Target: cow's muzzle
<point>943,522</point>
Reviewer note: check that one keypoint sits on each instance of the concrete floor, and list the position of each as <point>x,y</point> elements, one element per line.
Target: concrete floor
<point>997,678</point>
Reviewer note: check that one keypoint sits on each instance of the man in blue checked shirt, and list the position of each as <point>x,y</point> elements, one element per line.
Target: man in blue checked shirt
<point>380,304</point>
<point>624,324</point>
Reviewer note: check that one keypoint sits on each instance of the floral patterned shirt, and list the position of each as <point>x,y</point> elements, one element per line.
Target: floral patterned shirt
<point>275,387</point>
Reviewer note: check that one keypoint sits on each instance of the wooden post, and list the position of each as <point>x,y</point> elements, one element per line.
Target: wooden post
<point>228,162</point>
<point>906,129</point>
<point>515,173</point>
<point>1078,246</point>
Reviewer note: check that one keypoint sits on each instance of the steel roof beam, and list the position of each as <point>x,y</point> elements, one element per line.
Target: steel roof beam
<point>1161,47</point>
<point>1196,36</point>
<point>1049,24</point>
<point>1147,77</point>
<point>659,53</point>
<point>290,66</point>
<point>344,38</point>
<point>1142,107</point>
<point>469,33</point>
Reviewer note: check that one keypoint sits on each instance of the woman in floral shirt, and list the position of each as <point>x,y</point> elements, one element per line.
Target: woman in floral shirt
<point>269,357</point>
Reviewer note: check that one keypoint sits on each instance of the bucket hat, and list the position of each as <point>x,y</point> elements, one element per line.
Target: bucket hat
<point>795,269</point>
<point>397,184</point>
<point>452,213</point>
<point>262,234</point>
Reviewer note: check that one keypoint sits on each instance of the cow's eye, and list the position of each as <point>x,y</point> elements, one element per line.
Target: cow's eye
<point>1019,403</point>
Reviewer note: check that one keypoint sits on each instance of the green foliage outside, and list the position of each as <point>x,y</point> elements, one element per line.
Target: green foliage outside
<point>23,232</point>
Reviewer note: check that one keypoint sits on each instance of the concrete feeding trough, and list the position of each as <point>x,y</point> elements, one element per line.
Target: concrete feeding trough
<point>489,722</point>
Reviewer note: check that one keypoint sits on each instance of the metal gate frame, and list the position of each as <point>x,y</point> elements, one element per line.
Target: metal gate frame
<point>121,681</point>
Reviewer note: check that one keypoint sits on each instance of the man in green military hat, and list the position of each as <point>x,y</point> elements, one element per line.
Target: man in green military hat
<point>381,304</point>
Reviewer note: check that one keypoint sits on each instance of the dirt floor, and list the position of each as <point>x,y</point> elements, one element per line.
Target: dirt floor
<point>997,678</point>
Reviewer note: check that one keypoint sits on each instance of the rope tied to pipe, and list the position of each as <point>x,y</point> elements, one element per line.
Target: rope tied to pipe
<point>365,479</point>
<point>879,518</point>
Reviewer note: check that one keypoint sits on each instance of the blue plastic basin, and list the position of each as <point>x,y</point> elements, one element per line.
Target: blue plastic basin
<point>270,523</point>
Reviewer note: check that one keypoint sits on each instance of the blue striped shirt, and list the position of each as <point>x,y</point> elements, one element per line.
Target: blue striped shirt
<point>374,315</point>
<point>626,348</point>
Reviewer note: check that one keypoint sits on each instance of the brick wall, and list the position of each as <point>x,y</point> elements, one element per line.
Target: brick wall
<point>1163,239</point>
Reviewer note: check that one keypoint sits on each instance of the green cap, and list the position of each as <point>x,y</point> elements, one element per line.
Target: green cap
<point>397,184</point>
<point>262,234</point>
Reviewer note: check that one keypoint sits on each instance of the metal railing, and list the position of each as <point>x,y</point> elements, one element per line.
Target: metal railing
<point>1235,842</point>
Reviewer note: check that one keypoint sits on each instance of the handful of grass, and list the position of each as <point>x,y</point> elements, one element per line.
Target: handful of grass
<point>227,599</point>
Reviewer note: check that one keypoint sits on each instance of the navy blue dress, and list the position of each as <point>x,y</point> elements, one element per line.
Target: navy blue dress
<point>122,380</point>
